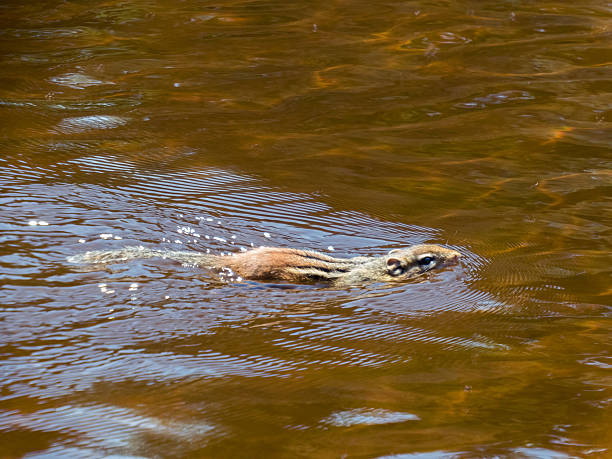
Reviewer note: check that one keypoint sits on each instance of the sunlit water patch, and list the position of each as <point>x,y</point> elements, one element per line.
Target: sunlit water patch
<point>367,417</point>
<point>351,131</point>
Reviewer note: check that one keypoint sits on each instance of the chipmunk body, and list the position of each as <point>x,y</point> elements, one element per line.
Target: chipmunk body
<point>296,265</point>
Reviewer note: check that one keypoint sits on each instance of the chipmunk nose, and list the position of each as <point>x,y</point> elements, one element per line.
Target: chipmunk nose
<point>454,258</point>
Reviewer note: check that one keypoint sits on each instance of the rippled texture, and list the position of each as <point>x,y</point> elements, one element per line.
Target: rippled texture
<point>348,128</point>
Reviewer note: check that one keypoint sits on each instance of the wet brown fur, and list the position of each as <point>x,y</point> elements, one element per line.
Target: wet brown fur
<point>295,265</point>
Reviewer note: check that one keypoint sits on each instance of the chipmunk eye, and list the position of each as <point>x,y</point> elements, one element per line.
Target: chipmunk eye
<point>426,261</point>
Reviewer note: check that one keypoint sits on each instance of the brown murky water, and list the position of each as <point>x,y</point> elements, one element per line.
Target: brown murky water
<point>357,125</point>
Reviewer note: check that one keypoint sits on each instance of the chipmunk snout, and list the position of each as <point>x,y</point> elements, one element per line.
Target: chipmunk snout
<point>453,259</point>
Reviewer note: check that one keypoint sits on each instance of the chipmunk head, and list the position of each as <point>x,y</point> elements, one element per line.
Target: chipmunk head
<point>410,262</point>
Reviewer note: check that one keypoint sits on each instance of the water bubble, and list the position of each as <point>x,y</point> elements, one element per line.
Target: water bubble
<point>267,235</point>
<point>82,241</point>
<point>43,223</point>
<point>177,241</point>
<point>105,236</point>
<point>331,248</point>
<point>32,223</point>
<point>117,238</point>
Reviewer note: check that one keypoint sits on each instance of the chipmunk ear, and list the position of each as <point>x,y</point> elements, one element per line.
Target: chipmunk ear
<point>394,266</point>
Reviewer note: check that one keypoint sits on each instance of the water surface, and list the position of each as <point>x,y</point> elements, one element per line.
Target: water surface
<point>349,128</point>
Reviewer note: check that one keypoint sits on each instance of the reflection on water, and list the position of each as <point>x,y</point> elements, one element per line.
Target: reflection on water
<point>351,129</point>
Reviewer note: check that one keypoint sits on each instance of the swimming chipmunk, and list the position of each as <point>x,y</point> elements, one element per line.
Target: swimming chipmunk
<point>296,265</point>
